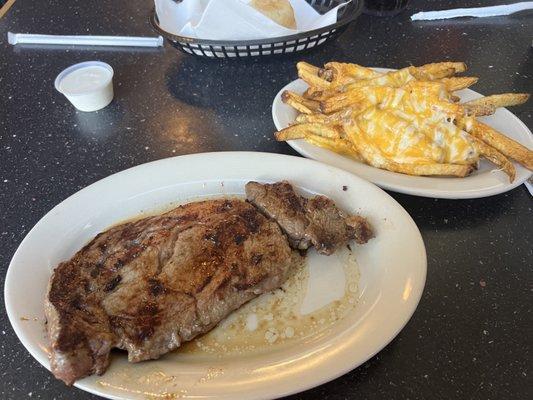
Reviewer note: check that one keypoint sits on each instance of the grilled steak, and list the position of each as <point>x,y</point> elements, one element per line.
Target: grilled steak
<point>316,221</point>
<point>149,285</point>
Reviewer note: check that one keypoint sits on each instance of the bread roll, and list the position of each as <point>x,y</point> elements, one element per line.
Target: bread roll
<point>279,11</point>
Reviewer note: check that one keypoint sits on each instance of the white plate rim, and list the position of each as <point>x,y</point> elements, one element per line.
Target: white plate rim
<point>298,386</point>
<point>386,180</point>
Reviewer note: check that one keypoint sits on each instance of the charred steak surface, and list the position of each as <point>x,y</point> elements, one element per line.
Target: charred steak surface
<point>149,285</point>
<point>308,222</point>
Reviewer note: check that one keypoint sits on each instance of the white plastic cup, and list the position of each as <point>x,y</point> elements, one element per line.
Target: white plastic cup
<point>87,85</point>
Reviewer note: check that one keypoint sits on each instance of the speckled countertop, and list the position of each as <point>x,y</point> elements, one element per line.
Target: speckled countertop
<point>470,337</point>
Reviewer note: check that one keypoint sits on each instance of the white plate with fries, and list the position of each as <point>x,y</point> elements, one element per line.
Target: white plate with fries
<point>459,168</point>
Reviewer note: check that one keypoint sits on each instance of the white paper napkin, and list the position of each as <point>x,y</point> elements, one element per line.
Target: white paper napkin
<point>234,19</point>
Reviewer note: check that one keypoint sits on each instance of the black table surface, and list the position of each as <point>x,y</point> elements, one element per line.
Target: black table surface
<point>472,332</point>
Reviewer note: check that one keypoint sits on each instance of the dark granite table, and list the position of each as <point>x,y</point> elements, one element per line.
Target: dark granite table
<point>472,332</point>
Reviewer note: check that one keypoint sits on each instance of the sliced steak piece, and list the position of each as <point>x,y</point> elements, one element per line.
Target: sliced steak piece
<point>280,202</point>
<point>316,221</point>
<point>149,285</point>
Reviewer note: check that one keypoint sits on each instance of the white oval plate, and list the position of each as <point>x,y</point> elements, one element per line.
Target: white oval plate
<point>486,181</point>
<point>392,268</point>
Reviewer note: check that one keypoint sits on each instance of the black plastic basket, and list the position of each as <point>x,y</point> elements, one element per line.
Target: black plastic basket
<point>272,46</point>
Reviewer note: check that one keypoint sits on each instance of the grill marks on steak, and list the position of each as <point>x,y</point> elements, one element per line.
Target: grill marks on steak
<point>147,286</point>
<point>308,222</point>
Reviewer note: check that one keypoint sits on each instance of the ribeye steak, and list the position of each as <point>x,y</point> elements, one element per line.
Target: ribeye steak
<point>149,285</point>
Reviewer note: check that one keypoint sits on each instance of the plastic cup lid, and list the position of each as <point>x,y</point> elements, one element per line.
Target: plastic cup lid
<point>82,65</point>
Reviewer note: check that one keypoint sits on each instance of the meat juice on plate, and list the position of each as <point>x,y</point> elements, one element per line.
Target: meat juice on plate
<point>319,292</point>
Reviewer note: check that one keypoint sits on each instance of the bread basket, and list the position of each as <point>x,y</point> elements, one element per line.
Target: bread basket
<point>272,46</point>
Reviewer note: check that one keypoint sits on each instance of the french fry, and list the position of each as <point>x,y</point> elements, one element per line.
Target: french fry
<point>293,132</point>
<point>478,110</point>
<point>420,74</point>
<point>458,83</point>
<point>309,93</point>
<point>331,119</point>
<point>318,94</point>
<point>372,157</point>
<point>312,79</point>
<point>503,144</point>
<point>450,67</point>
<point>393,79</point>
<point>432,169</point>
<point>488,105</point>
<point>343,73</point>
<point>305,118</point>
<point>340,101</point>
<point>370,95</point>
<point>452,110</point>
<point>301,104</point>
<point>301,131</point>
<point>494,156</point>
<point>303,66</point>
<point>498,100</point>
<point>337,145</point>
<point>310,74</point>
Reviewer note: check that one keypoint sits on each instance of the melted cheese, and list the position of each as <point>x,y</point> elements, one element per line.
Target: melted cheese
<point>410,121</point>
